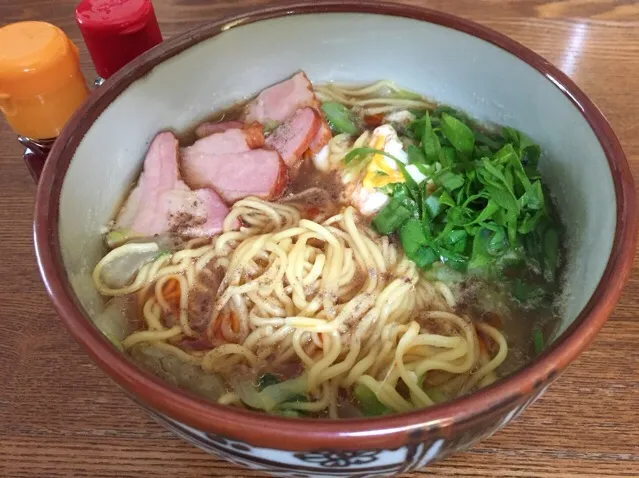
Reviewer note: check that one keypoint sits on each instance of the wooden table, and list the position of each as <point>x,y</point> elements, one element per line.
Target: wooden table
<point>61,416</point>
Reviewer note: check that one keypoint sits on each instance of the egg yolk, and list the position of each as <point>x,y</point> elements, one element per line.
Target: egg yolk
<point>379,173</point>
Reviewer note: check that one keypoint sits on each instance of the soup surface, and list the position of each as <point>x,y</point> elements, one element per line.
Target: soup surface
<point>334,251</point>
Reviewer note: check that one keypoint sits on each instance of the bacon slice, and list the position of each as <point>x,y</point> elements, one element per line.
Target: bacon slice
<point>257,172</point>
<point>161,202</point>
<point>208,128</point>
<point>293,137</point>
<point>278,102</point>
<point>235,140</point>
<point>202,295</point>
<point>322,137</point>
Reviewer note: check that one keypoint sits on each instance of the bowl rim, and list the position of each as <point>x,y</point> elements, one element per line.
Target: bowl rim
<point>311,434</point>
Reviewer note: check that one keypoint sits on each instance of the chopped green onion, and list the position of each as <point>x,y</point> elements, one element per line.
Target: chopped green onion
<point>538,340</point>
<point>483,201</point>
<point>459,135</point>
<point>551,248</point>
<point>339,118</point>
<point>415,155</point>
<point>457,239</point>
<point>299,398</point>
<point>436,395</point>
<point>430,141</point>
<point>432,206</point>
<point>412,236</point>
<point>265,380</point>
<point>447,156</point>
<point>423,257</point>
<point>287,413</point>
<point>368,403</point>
<point>444,198</point>
<point>357,154</point>
<point>525,292</point>
<point>391,217</point>
<point>454,260</point>
<point>272,395</point>
<point>485,140</point>
<point>449,180</point>
<point>415,243</point>
<point>498,243</point>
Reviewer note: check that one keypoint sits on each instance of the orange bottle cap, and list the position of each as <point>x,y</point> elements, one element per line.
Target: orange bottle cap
<point>35,58</point>
<point>40,79</point>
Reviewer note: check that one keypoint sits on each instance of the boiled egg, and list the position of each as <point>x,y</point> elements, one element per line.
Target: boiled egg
<point>368,201</point>
<point>363,185</point>
<point>382,170</point>
<point>401,118</point>
<point>321,159</point>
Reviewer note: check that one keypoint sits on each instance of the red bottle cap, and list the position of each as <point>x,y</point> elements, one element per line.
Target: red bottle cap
<point>117,31</point>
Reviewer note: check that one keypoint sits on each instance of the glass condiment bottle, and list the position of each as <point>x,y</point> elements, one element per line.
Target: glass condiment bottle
<point>41,85</point>
<point>116,32</point>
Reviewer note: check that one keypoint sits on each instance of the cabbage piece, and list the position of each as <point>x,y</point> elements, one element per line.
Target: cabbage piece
<point>117,319</point>
<point>118,237</point>
<point>122,264</point>
<point>271,396</point>
<point>368,403</point>
<point>173,369</point>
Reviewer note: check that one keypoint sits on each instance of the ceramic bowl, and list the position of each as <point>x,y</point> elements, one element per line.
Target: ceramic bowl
<point>452,60</point>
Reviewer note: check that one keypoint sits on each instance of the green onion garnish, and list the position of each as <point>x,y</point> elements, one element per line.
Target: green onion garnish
<point>538,340</point>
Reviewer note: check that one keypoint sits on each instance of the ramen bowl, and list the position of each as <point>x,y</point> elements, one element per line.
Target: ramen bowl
<point>457,62</point>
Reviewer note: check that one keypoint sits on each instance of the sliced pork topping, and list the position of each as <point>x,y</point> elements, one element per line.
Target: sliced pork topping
<point>278,102</point>
<point>161,202</point>
<point>208,128</point>
<point>257,172</point>
<point>210,205</point>
<point>202,295</point>
<point>234,140</point>
<point>295,135</point>
<point>322,137</point>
